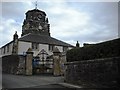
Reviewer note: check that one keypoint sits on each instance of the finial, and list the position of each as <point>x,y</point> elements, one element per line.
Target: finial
<point>77,44</point>
<point>15,32</point>
<point>36,5</point>
<point>46,20</point>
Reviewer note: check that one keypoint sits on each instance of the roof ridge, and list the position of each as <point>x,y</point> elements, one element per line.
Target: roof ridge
<point>61,41</point>
<point>44,39</point>
<point>25,35</point>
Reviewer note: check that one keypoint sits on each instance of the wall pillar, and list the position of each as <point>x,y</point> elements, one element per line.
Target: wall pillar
<point>28,65</point>
<point>15,44</point>
<point>62,62</point>
<point>56,62</point>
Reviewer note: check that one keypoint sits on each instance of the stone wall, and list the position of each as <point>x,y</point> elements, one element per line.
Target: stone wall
<point>10,64</point>
<point>99,71</point>
<point>62,63</point>
<point>21,66</point>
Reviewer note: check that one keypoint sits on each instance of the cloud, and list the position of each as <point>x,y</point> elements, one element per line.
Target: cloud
<point>87,25</point>
<point>69,21</point>
<point>7,30</point>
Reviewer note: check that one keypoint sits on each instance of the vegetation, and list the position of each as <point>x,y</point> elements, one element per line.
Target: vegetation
<point>94,51</point>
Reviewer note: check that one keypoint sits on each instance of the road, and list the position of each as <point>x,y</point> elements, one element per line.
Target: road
<point>35,81</point>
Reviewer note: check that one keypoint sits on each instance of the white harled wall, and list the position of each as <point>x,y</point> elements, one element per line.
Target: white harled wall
<point>41,46</point>
<point>6,52</point>
<point>23,47</point>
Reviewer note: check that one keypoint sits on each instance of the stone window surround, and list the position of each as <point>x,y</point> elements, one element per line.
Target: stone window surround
<point>35,46</point>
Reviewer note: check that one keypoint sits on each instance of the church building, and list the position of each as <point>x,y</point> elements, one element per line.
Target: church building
<point>35,35</point>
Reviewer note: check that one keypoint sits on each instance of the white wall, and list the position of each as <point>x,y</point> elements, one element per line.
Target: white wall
<point>41,46</point>
<point>46,48</point>
<point>7,52</point>
<point>23,46</point>
<point>70,48</point>
<point>60,48</point>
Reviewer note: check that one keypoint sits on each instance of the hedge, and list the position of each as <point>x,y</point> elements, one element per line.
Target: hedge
<point>101,50</point>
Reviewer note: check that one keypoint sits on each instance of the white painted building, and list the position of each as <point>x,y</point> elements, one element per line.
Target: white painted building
<point>35,35</point>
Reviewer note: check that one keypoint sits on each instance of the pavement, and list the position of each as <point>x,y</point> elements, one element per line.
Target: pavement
<point>68,85</point>
<point>35,81</point>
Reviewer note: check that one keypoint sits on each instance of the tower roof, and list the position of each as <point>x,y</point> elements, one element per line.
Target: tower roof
<point>36,22</point>
<point>35,10</point>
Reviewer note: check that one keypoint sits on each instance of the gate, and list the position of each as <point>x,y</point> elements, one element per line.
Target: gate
<point>42,63</point>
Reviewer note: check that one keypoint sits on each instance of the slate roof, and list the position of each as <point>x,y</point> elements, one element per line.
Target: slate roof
<point>43,39</point>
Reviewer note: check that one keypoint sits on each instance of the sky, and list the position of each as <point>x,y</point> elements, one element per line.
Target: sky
<point>70,21</point>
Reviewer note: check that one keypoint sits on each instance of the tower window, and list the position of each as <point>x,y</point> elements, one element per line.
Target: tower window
<point>35,46</point>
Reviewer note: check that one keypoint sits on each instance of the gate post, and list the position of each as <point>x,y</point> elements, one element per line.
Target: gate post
<point>28,65</point>
<point>56,62</point>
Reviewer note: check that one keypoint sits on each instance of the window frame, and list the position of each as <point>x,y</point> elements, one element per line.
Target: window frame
<point>35,46</point>
<point>8,47</point>
<point>50,47</point>
<point>3,50</point>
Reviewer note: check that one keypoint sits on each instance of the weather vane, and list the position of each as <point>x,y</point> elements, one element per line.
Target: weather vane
<point>36,5</point>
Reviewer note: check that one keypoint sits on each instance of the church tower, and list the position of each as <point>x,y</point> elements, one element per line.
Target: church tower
<point>36,22</point>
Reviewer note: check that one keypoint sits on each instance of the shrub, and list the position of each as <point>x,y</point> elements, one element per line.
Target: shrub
<point>100,50</point>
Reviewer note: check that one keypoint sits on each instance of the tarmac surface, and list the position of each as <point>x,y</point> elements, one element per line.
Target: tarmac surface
<point>39,82</point>
<point>20,81</point>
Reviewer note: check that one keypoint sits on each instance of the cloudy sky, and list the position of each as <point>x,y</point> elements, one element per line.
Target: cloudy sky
<point>86,22</point>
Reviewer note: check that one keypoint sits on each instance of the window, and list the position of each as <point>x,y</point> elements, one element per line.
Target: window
<point>65,48</point>
<point>35,46</point>
<point>51,47</point>
<point>7,48</point>
<point>4,50</point>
